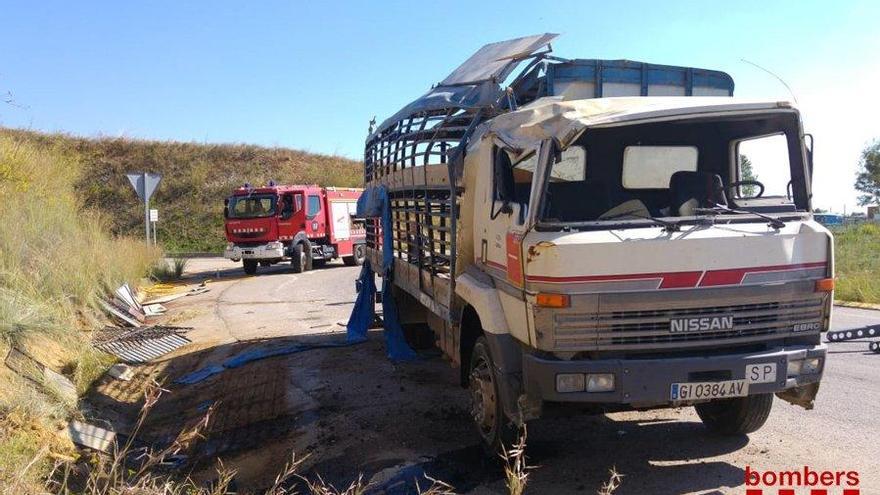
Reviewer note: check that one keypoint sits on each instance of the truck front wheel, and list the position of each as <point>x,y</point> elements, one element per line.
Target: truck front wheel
<point>492,424</point>
<point>250,266</point>
<point>736,416</point>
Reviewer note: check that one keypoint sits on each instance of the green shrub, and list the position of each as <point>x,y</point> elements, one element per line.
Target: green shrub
<point>857,263</point>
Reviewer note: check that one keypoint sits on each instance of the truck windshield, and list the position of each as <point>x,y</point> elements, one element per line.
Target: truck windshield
<point>253,206</point>
<point>679,171</point>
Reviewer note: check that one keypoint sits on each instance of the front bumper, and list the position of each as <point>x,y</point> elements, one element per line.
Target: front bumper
<point>269,251</point>
<point>647,382</point>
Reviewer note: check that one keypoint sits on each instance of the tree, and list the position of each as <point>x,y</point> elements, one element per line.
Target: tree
<point>868,175</point>
<point>746,173</point>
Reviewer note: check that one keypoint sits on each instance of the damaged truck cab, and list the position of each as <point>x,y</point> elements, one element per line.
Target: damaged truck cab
<point>607,235</point>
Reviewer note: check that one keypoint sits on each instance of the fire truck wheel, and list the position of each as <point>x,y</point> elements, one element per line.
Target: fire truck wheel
<point>357,259</point>
<point>487,412</point>
<point>737,416</point>
<point>250,266</point>
<point>298,259</point>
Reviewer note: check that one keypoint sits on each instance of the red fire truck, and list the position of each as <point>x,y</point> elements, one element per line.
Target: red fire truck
<point>308,225</point>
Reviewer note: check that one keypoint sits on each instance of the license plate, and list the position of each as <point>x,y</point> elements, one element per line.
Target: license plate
<point>761,373</point>
<point>709,390</point>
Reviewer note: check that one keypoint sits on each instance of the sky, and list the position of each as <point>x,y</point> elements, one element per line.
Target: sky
<point>310,75</point>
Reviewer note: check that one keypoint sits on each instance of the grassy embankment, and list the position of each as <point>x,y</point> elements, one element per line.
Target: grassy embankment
<point>857,251</point>
<point>196,178</point>
<point>55,261</point>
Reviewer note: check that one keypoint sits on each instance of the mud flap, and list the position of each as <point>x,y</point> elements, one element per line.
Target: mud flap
<point>800,396</point>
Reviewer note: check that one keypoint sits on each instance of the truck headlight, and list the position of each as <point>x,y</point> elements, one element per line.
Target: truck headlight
<point>570,382</point>
<point>579,382</point>
<point>600,382</point>
<point>230,246</point>
<point>275,245</point>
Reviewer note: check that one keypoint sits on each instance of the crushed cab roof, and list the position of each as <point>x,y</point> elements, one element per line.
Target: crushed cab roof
<point>565,120</point>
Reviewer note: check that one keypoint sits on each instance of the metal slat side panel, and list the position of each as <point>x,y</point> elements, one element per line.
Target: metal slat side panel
<point>144,350</point>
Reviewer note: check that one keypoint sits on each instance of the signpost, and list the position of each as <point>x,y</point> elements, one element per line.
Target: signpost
<point>154,217</point>
<point>144,184</point>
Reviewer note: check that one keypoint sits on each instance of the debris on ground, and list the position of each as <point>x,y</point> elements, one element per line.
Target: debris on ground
<point>141,344</point>
<point>121,371</point>
<point>162,293</point>
<point>93,437</point>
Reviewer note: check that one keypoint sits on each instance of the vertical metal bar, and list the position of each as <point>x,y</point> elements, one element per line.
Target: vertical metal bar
<point>146,211</point>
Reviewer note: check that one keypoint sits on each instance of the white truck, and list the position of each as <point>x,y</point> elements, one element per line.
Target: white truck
<point>605,235</point>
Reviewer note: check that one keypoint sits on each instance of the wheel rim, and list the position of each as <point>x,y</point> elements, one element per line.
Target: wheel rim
<point>483,399</point>
<point>302,259</point>
<point>359,252</point>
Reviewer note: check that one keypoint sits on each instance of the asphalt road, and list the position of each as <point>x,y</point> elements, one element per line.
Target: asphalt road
<point>355,412</point>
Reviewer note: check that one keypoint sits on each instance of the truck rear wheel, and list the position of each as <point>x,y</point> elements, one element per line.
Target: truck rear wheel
<point>357,258</point>
<point>250,266</point>
<point>737,416</point>
<point>492,424</point>
<point>298,258</point>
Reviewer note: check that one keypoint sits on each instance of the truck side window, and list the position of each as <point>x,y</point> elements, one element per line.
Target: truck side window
<point>287,206</point>
<point>314,206</point>
<point>297,202</point>
<point>513,183</point>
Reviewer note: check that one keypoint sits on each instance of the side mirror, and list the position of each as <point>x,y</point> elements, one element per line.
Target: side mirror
<point>809,154</point>
<point>226,208</point>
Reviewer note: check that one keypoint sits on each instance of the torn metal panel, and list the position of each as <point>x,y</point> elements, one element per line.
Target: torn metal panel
<point>154,309</point>
<point>495,61</point>
<point>126,295</point>
<point>119,314</point>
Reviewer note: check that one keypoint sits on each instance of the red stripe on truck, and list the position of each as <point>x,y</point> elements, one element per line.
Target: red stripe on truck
<point>677,280</point>
<point>735,276</point>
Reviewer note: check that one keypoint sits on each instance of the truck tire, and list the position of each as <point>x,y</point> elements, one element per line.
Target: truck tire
<point>298,258</point>
<point>356,259</point>
<point>737,416</point>
<point>492,424</point>
<point>250,266</point>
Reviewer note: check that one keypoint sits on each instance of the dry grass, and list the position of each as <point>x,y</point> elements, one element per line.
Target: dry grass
<point>130,471</point>
<point>516,470</point>
<point>196,178</point>
<point>857,260</point>
<point>55,261</point>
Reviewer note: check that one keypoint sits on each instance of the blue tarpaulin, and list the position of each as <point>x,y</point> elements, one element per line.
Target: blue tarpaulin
<point>374,203</point>
<point>255,354</point>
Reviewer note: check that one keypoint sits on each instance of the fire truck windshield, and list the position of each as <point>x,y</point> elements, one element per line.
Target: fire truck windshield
<point>253,206</point>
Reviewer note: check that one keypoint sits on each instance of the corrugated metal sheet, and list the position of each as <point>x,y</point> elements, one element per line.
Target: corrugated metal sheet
<point>143,344</point>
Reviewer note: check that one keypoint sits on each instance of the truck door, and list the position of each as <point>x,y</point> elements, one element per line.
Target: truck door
<point>505,210</point>
<point>315,222</point>
<point>286,227</point>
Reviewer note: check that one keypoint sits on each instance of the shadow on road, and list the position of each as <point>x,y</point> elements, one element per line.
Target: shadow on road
<point>353,411</point>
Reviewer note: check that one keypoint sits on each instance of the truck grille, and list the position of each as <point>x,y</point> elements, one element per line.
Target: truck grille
<point>650,329</point>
